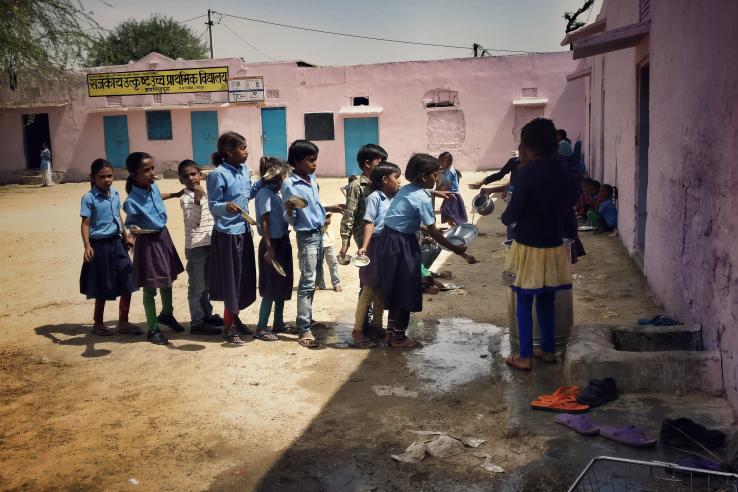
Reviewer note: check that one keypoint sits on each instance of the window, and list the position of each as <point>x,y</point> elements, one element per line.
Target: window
<point>157,98</point>
<point>360,101</point>
<point>159,125</point>
<point>440,98</point>
<point>113,101</point>
<point>530,91</point>
<point>202,97</point>
<point>319,126</point>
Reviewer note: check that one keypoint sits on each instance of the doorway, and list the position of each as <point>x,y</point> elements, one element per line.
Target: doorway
<point>358,132</point>
<point>116,139</point>
<point>523,116</point>
<point>642,153</point>
<point>204,135</point>
<point>35,132</point>
<point>274,132</point>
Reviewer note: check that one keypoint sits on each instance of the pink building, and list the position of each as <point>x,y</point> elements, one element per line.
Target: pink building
<point>662,125</point>
<point>473,107</point>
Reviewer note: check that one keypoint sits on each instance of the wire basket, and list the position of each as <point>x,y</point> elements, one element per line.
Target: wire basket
<point>617,474</point>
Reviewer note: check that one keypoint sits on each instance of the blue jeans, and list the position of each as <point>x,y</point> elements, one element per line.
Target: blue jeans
<point>329,254</point>
<point>309,255</point>
<point>197,290</point>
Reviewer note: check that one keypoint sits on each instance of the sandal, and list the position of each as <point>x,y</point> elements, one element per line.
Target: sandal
<point>266,336</point>
<point>516,362</point>
<point>359,341</point>
<point>234,339</point>
<point>307,340</point>
<point>284,329</point>
<point>317,325</point>
<point>101,331</point>
<point>129,329</point>
<point>547,357</point>
<point>406,342</point>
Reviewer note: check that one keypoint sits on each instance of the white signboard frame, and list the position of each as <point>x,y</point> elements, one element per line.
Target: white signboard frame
<point>246,89</point>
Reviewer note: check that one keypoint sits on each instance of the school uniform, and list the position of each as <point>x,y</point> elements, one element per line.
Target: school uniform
<point>110,272</point>
<point>453,208</point>
<point>308,225</point>
<point>198,227</point>
<point>232,268</point>
<point>398,247</point>
<point>272,285</point>
<point>156,263</point>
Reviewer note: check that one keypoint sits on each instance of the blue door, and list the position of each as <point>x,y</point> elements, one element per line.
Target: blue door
<point>204,135</point>
<point>358,132</point>
<point>274,132</point>
<point>116,139</point>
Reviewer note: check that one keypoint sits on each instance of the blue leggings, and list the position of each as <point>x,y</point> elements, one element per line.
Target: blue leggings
<point>546,321</point>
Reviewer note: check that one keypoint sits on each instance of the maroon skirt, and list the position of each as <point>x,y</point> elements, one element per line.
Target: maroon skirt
<point>156,263</point>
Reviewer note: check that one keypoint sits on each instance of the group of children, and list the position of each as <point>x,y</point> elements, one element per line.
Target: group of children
<point>384,219</point>
<point>597,205</point>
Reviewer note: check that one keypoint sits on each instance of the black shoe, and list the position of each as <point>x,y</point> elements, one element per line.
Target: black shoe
<point>214,320</point>
<point>686,433</point>
<point>205,329</point>
<point>242,329</point>
<point>157,338</point>
<point>168,320</point>
<point>598,392</point>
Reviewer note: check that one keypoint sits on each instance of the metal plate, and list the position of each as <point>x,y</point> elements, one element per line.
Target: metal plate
<point>297,201</point>
<point>360,261</point>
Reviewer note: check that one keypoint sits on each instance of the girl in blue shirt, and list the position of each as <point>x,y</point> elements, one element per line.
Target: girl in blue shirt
<point>156,263</point>
<point>453,210</point>
<point>107,272</point>
<point>232,267</point>
<point>398,247</point>
<point>274,287</point>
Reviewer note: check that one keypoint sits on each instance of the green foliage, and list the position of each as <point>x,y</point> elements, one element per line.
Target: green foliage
<point>40,40</point>
<point>572,23</point>
<point>132,40</point>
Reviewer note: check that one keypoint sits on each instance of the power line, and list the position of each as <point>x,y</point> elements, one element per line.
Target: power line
<point>194,18</point>
<point>251,45</point>
<point>388,40</point>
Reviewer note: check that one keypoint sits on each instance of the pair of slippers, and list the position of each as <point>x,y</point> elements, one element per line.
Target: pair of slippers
<point>564,399</point>
<point>629,435</point>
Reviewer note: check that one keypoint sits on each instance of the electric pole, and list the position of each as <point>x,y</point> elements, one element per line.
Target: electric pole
<point>210,33</point>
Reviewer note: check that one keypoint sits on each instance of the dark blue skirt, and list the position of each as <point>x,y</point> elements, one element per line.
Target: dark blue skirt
<point>156,263</point>
<point>399,270</point>
<point>454,209</point>
<point>272,285</point>
<point>232,270</point>
<point>369,275</point>
<point>110,273</point>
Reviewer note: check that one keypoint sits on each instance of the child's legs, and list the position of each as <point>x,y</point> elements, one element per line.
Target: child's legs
<point>377,308</point>
<point>329,253</point>
<point>362,307</point>
<point>279,313</point>
<point>546,320</point>
<point>310,254</point>
<point>150,308</point>
<point>196,261</point>
<point>594,219</point>
<point>124,306</point>
<point>319,276</point>
<point>264,311</point>
<point>524,312</point>
<point>399,319</point>
<point>166,300</point>
<point>99,314</point>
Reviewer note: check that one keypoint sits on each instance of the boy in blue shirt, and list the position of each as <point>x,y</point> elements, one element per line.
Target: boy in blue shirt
<point>606,215</point>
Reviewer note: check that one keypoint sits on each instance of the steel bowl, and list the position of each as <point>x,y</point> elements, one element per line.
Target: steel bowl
<point>462,234</point>
<point>360,261</point>
<point>483,204</point>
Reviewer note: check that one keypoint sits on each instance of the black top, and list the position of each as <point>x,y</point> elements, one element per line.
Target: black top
<point>511,166</point>
<point>539,203</point>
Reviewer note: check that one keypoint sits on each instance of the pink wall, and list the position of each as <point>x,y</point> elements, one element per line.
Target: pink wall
<point>479,131</point>
<point>691,252</point>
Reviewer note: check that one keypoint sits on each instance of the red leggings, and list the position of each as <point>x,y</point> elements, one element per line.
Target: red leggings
<point>123,307</point>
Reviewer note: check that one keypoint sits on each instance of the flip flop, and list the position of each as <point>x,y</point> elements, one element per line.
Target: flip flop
<point>579,423</point>
<point>266,336</point>
<point>659,320</point>
<point>361,344</point>
<point>630,436</point>
<point>562,400</point>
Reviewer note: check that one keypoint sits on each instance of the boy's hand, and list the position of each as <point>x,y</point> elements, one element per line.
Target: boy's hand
<point>459,249</point>
<point>336,209</point>
<point>268,256</point>
<point>445,194</point>
<point>342,253</point>
<point>361,252</point>
<point>89,253</point>
<point>130,242</point>
<point>199,193</point>
<point>475,186</point>
<point>232,208</point>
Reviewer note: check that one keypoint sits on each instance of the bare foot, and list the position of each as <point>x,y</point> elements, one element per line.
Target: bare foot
<point>520,363</point>
<point>126,328</point>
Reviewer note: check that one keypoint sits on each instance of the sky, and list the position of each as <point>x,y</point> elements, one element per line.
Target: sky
<point>528,25</point>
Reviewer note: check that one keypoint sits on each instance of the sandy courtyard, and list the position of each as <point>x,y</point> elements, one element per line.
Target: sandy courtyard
<point>79,412</point>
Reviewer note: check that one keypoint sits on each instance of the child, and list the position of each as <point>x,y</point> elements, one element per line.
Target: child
<point>386,182</point>
<point>398,247</point>
<point>107,271</point>
<point>453,211</point>
<point>45,166</point>
<point>232,268</point>
<point>606,215</point>
<point>585,201</point>
<point>274,245</point>
<point>198,224</point>
<point>308,224</point>
<point>329,255</point>
<point>352,224</point>
<point>155,260</point>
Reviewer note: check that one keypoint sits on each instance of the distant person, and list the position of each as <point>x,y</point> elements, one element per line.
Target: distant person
<point>604,214</point>
<point>45,166</point>
<point>453,211</point>
<point>565,149</point>
<point>329,255</point>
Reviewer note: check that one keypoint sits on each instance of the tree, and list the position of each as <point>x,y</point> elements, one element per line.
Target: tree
<point>572,23</point>
<point>40,40</point>
<point>132,40</point>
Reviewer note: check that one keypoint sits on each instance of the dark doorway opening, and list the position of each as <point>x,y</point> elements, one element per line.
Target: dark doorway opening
<point>643,136</point>
<point>35,132</point>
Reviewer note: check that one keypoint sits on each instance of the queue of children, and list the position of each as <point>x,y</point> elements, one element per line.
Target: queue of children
<point>383,218</point>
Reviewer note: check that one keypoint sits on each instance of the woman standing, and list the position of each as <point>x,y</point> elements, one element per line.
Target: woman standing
<point>46,165</point>
<point>538,259</point>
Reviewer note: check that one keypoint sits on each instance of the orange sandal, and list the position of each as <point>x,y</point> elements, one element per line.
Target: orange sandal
<point>564,399</point>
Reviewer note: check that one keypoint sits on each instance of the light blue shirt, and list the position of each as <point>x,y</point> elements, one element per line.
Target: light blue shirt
<point>452,179</point>
<point>228,183</point>
<point>45,159</point>
<point>145,208</point>
<point>269,202</point>
<point>377,205</point>
<point>311,217</point>
<point>565,149</point>
<point>609,212</point>
<point>409,210</point>
<point>103,211</point>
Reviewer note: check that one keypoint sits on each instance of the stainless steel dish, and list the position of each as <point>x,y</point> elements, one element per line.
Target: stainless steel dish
<point>462,234</point>
<point>483,204</point>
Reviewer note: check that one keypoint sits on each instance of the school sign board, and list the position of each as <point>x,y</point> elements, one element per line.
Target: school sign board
<point>211,79</point>
<point>246,89</point>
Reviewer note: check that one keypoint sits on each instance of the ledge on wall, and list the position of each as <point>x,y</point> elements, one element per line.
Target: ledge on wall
<point>530,102</point>
<point>156,107</point>
<point>360,110</point>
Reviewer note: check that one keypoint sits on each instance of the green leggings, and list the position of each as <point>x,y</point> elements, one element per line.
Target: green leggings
<point>266,309</point>
<point>150,305</point>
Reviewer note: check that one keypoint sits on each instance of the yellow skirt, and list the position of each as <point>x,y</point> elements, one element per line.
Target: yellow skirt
<point>534,270</point>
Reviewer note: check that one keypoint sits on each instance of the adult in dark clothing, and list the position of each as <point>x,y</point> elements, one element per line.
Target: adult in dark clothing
<point>511,167</point>
<point>538,259</point>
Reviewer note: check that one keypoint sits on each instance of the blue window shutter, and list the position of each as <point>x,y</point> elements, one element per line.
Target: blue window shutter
<point>159,125</point>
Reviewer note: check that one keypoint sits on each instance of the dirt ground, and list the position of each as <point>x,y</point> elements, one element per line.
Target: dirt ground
<point>89,413</point>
